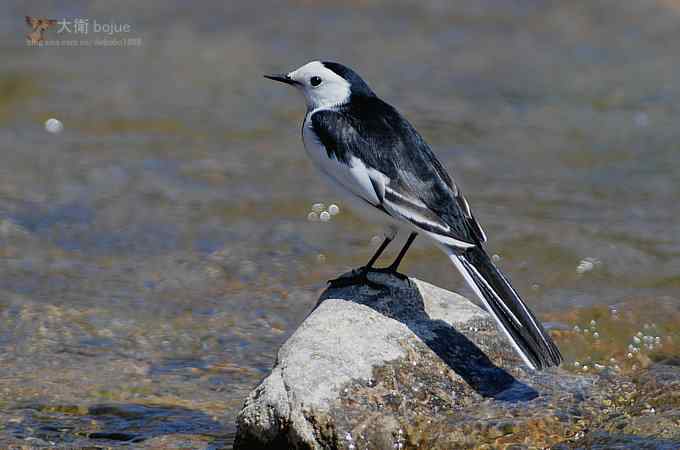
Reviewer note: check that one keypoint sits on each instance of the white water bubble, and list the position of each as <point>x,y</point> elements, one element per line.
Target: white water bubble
<point>54,126</point>
<point>318,207</point>
<point>312,216</point>
<point>324,216</point>
<point>496,257</point>
<point>586,265</point>
<point>334,209</point>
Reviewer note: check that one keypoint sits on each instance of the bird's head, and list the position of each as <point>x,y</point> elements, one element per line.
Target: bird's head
<point>325,84</point>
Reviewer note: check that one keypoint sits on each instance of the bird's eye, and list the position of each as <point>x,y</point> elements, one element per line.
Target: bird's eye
<point>315,81</point>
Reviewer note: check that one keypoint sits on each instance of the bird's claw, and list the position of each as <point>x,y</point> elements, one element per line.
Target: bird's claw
<point>390,271</point>
<point>359,277</point>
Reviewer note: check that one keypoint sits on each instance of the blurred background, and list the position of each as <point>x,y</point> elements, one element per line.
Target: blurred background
<point>156,252</point>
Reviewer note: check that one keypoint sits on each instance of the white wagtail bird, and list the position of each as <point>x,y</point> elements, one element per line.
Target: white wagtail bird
<point>367,150</point>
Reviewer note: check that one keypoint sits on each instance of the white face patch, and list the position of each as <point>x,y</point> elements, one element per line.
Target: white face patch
<point>330,91</point>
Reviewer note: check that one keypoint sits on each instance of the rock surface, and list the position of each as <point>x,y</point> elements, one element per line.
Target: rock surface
<point>414,366</point>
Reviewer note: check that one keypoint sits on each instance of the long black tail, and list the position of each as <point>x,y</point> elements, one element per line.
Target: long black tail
<point>504,303</point>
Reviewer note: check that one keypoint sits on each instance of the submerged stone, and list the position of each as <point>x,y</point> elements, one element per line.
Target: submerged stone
<point>441,376</point>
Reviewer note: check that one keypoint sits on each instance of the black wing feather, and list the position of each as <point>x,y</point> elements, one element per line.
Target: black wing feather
<point>374,132</point>
<point>378,135</point>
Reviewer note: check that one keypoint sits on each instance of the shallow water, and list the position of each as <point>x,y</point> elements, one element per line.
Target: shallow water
<point>155,254</point>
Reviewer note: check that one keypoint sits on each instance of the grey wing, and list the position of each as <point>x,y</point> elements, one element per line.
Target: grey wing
<point>401,203</point>
<point>422,174</point>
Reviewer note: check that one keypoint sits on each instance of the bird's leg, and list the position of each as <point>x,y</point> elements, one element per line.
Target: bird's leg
<point>392,269</point>
<point>359,276</point>
<point>377,254</point>
<point>395,265</point>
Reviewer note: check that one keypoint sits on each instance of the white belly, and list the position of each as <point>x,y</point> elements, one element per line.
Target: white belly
<point>349,181</point>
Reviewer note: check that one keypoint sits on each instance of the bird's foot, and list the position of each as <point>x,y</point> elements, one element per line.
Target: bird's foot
<point>392,271</point>
<point>356,277</point>
<point>359,277</point>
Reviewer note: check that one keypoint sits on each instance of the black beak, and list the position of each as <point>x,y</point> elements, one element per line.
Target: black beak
<point>282,77</point>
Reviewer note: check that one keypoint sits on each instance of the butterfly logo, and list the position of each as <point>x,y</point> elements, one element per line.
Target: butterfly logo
<point>38,28</point>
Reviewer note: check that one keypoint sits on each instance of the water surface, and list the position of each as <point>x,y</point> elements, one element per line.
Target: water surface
<point>155,254</point>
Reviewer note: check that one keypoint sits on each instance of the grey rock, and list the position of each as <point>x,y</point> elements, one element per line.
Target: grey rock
<point>411,365</point>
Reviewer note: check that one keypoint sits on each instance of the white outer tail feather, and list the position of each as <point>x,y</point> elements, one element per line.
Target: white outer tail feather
<point>473,286</point>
